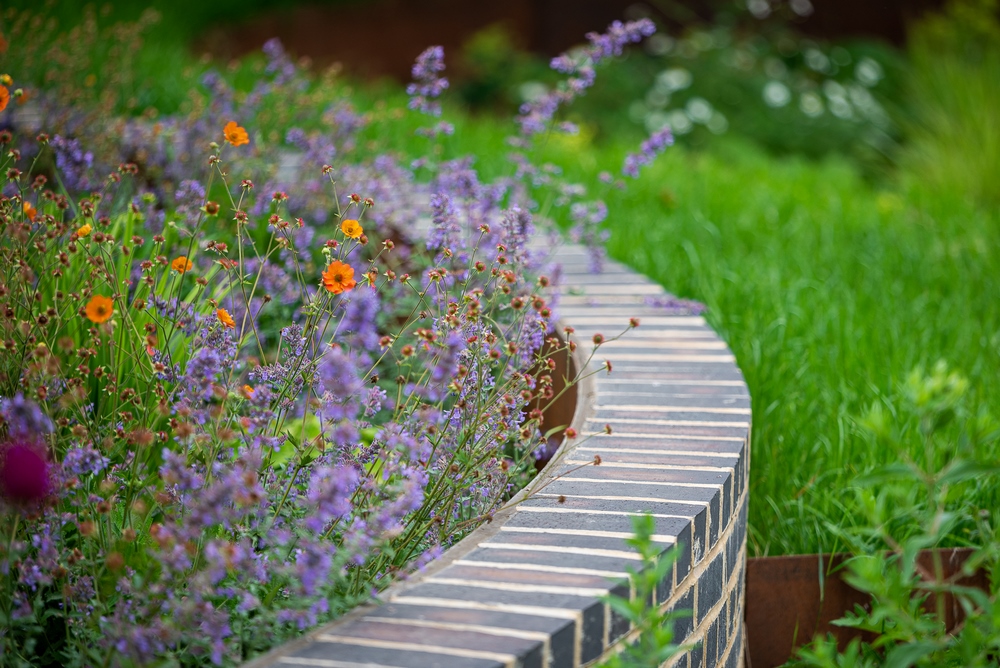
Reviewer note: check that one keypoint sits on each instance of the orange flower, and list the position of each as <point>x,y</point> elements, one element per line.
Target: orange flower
<point>181,264</point>
<point>226,319</point>
<point>99,309</point>
<point>30,212</point>
<point>235,135</point>
<point>4,97</point>
<point>247,391</point>
<point>84,230</point>
<point>351,228</point>
<point>338,277</point>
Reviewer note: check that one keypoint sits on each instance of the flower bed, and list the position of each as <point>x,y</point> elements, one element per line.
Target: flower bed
<point>233,410</point>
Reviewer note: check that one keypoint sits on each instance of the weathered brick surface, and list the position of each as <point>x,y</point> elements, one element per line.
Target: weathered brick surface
<point>526,589</point>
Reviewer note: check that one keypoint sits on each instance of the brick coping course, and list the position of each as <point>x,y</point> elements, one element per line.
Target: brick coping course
<point>524,590</point>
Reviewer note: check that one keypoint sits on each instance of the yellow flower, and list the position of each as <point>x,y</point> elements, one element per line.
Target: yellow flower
<point>99,309</point>
<point>6,80</point>
<point>338,277</point>
<point>351,228</point>
<point>84,230</point>
<point>181,264</point>
<point>226,319</point>
<point>235,135</point>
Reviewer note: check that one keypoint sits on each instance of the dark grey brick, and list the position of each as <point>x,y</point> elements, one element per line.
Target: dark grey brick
<point>683,563</point>
<point>665,586</point>
<point>561,601</point>
<point>710,585</point>
<point>727,498</point>
<point>611,456</point>
<point>714,512</point>
<point>696,656</point>
<point>542,559</point>
<point>389,657</point>
<point>687,414</point>
<point>584,520</point>
<point>619,625</point>
<point>735,617</point>
<point>668,399</point>
<point>626,487</point>
<point>628,506</point>
<point>603,444</point>
<point>734,653</point>
<point>699,539</point>
<point>712,645</point>
<point>563,647</point>
<point>735,541</point>
<point>685,621</point>
<point>493,618</point>
<point>569,542</point>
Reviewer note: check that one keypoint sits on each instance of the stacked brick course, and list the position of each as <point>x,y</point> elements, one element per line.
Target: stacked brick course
<point>525,590</point>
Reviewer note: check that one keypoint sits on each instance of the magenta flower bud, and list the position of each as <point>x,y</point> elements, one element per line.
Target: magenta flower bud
<point>24,473</point>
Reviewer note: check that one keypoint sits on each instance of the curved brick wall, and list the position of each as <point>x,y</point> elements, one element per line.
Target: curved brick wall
<point>524,590</point>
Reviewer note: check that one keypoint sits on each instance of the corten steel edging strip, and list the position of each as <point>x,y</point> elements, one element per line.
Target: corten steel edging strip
<point>525,590</point>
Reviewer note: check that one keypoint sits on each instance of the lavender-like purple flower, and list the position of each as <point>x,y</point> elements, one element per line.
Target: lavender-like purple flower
<point>84,460</point>
<point>340,387</point>
<point>648,150</point>
<point>329,496</point>
<point>428,84</point>
<point>537,114</point>
<point>73,162</point>
<point>24,418</point>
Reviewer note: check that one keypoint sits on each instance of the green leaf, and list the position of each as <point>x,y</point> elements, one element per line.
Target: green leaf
<point>904,656</point>
<point>960,470</point>
<point>888,473</point>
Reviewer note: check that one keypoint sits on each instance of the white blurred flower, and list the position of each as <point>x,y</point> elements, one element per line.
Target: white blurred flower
<point>776,94</point>
<point>699,110</point>
<point>868,72</point>
<point>811,104</point>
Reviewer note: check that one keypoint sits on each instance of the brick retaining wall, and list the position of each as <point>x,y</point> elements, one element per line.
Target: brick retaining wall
<point>524,590</point>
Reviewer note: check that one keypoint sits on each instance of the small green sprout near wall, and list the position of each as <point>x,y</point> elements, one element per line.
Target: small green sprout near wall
<point>917,503</point>
<point>654,624</point>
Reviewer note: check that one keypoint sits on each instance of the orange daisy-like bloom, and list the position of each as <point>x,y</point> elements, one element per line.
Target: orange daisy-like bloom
<point>226,319</point>
<point>235,135</point>
<point>30,212</point>
<point>99,309</point>
<point>338,277</point>
<point>4,97</point>
<point>84,230</point>
<point>247,391</point>
<point>351,228</point>
<point>181,264</point>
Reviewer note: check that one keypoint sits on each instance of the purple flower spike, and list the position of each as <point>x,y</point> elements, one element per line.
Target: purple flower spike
<point>24,473</point>
<point>648,150</point>
<point>579,65</point>
<point>24,418</point>
<point>427,82</point>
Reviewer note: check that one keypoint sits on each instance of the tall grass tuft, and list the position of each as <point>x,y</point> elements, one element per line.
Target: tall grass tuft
<point>955,141</point>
